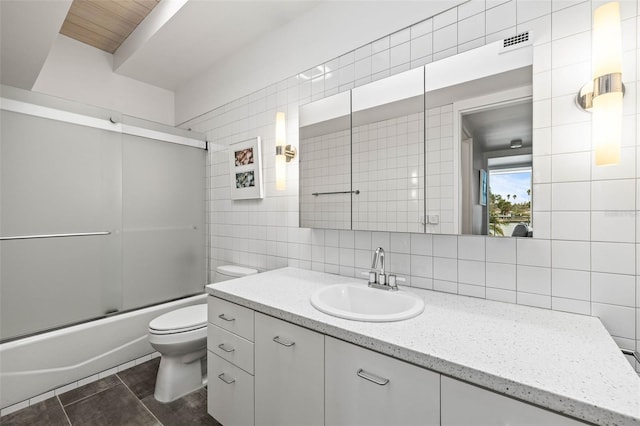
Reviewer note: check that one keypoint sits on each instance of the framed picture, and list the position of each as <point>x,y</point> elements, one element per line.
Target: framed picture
<point>483,187</point>
<point>245,166</point>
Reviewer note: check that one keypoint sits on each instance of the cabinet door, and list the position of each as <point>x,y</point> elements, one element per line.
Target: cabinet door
<point>229,392</point>
<point>464,404</point>
<point>289,373</point>
<point>363,387</point>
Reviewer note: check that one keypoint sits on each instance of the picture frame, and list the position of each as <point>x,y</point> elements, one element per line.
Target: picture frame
<point>245,169</point>
<point>483,187</point>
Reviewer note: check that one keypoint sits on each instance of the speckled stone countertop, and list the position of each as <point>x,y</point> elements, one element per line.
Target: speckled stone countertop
<point>565,362</point>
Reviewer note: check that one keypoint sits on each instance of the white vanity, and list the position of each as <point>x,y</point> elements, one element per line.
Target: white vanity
<point>274,359</point>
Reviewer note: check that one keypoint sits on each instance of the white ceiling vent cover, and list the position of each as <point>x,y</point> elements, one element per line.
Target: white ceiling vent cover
<point>516,42</point>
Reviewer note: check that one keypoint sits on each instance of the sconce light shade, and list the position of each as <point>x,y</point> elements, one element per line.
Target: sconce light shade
<point>281,161</point>
<point>607,84</point>
<point>607,40</point>
<point>284,153</point>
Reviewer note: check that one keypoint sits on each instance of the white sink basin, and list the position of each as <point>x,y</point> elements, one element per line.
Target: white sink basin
<point>361,303</point>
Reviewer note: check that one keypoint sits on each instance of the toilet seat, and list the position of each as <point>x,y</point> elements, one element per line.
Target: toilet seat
<point>235,271</point>
<point>180,320</point>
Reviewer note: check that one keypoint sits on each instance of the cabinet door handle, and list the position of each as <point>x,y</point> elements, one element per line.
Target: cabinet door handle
<point>224,317</point>
<point>226,348</point>
<point>372,377</point>
<point>223,377</point>
<point>282,342</point>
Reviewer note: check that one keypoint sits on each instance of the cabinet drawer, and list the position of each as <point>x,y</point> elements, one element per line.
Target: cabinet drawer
<point>229,393</point>
<point>363,387</point>
<point>234,318</point>
<point>231,347</point>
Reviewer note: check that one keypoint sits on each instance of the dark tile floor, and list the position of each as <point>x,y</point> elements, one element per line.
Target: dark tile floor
<point>125,398</point>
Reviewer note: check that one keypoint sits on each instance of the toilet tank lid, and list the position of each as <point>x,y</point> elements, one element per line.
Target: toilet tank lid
<point>235,271</point>
<point>182,319</point>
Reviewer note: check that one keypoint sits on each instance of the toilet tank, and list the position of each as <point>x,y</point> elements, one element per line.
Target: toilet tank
<point>229,272</point>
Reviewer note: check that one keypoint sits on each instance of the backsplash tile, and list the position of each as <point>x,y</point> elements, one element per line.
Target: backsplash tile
<point>584,256</point>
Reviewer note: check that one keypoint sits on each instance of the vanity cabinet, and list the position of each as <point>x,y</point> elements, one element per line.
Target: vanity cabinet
<point>363,387</point>
<point>464,404</point>
<point>289,373</point>
<point>266,371</point>
<point>230,363</point>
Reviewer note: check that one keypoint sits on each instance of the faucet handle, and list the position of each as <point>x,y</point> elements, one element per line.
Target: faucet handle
<point>382,279</point>
<point>392,281</point>
<point>372,277</point>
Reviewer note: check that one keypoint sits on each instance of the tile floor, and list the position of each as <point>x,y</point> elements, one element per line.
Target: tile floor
<point>125,398</point>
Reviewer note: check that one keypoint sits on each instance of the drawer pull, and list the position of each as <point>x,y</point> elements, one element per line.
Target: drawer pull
<point>226,348</point>
<point>223,377</point>
<point>372,377</point>
<point>286,343</point>
<point>225,318</point>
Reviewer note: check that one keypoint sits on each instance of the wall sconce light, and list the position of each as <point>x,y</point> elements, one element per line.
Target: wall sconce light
<point>603,96</point>
<point>284,153</point>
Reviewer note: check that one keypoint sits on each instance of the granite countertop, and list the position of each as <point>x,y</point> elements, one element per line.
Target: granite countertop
<point>566,362</point>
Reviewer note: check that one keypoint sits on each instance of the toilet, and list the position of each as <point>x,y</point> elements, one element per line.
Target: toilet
<point>181,338</point>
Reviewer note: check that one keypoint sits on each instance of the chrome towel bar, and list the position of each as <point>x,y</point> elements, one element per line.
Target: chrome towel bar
<point>315,194</point>
<point>76,234</point>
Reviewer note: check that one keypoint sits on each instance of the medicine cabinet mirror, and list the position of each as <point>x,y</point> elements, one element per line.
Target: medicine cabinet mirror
<point>445,149</point>
<point>325,163</point>
<point>387,131</point>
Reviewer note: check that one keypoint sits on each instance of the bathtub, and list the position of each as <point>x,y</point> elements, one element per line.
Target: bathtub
<point>38,364</point>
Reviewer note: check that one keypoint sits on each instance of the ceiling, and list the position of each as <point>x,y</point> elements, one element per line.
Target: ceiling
<point>494,128</point>
<point>203,33</point>
<point>177,41</point>
<point>105,24</point>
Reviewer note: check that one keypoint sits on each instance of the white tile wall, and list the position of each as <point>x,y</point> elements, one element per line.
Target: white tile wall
<point>388,170</point>
<point>586,250</point>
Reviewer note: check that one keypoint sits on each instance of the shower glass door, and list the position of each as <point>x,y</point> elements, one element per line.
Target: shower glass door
<point>163,212</point>
<point>58,180</point>
<point>100,213</point>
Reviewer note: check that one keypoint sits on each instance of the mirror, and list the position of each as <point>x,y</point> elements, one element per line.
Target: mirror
<point>445,148</point>
<point>388,153</point>
<point>496,147</point>
<point>473,114</point>
<point>325,163</point>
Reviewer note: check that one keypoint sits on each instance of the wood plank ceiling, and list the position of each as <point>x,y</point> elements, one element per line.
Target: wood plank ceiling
<point>105,24</point>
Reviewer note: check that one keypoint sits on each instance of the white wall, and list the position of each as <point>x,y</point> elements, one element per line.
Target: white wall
<point>585,254</point>
<point>327,31</point>
<point>82,73</point>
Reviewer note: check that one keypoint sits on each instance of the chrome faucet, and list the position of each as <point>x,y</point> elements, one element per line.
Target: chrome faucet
<point>378,257</point>
<point>379,279</point>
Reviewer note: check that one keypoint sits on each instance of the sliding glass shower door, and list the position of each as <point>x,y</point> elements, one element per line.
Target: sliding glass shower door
<point>93,221</point>
<point>58,180</point>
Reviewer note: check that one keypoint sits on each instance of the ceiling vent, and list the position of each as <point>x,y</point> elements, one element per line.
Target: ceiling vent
<point>516,42</point>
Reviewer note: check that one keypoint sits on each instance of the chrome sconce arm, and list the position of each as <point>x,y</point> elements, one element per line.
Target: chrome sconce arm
<point>604,84</point>
<point>288,151</point>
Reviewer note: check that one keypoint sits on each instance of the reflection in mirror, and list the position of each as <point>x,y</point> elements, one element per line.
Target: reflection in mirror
<point>388,154</point>
<point>473,114</point>
<point>497,164</point>
<point>325,163</point>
